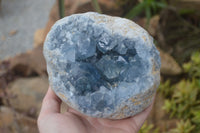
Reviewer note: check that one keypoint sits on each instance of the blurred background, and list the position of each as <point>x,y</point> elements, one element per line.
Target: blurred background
<point>174,24</point>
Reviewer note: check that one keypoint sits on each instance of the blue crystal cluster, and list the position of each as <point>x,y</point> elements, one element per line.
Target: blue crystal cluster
<point>98,64</point>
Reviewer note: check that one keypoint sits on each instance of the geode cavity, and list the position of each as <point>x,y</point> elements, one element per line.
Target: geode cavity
<point>102,66</point>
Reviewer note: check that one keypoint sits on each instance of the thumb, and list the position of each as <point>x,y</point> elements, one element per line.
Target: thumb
<point>51,103</point>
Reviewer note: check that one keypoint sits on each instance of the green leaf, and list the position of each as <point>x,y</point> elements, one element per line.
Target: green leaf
<point>154,7</point>
<point>61,8</point>
<point>183,127</point>
<point>196,57</point>
<point>187,67</point>
<point>160,5</point>
<point>96,6</point>
<point>196,118</point>
<point>148,128</point>
<point>148,15</point>
<point>135,11</point>
<point>186,11</point>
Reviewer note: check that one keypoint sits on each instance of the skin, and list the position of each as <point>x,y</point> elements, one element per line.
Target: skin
<point>50,120</point>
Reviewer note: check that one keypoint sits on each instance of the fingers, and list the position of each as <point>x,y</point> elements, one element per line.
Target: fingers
<point>140,118</point>
<point>51,103</point>
<point>130,124</point>
<point>76,112</point>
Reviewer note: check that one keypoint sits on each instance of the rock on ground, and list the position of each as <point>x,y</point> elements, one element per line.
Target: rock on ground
<point>13,122</point>
<point>26,94</point>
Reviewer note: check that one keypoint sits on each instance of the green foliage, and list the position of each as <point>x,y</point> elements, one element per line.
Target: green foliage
<point>193,67</point>
<point>96,6</point>
<point>148,129</point>
<point>183,127</point>
<point>185,11</point>
<point>150,7</point>
<point>61,8</point>
<point>183,99</point>
<point>166,89</point>
<point>196,116</point>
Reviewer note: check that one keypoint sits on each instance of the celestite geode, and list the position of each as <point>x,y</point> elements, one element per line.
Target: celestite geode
<point>102,66</point>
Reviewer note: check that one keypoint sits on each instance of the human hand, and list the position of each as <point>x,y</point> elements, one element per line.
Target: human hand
<point>50,120</point>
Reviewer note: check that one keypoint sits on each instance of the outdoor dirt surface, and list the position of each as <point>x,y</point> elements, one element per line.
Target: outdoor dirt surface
<point>19,19</point>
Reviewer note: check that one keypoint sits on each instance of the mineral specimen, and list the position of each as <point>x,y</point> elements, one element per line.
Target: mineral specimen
<point>102,66</point>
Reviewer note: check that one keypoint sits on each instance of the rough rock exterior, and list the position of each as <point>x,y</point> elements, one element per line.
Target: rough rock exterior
<point>102,66</point>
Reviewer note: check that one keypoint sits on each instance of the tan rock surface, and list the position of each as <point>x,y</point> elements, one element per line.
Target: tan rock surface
<point>27,94</point>
<point>39,37</point>
<point>168,64</point>
<point>14,122</point>
<point>26,64</point>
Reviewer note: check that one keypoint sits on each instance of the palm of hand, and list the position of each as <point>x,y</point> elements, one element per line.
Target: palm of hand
<point>51,120</point>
